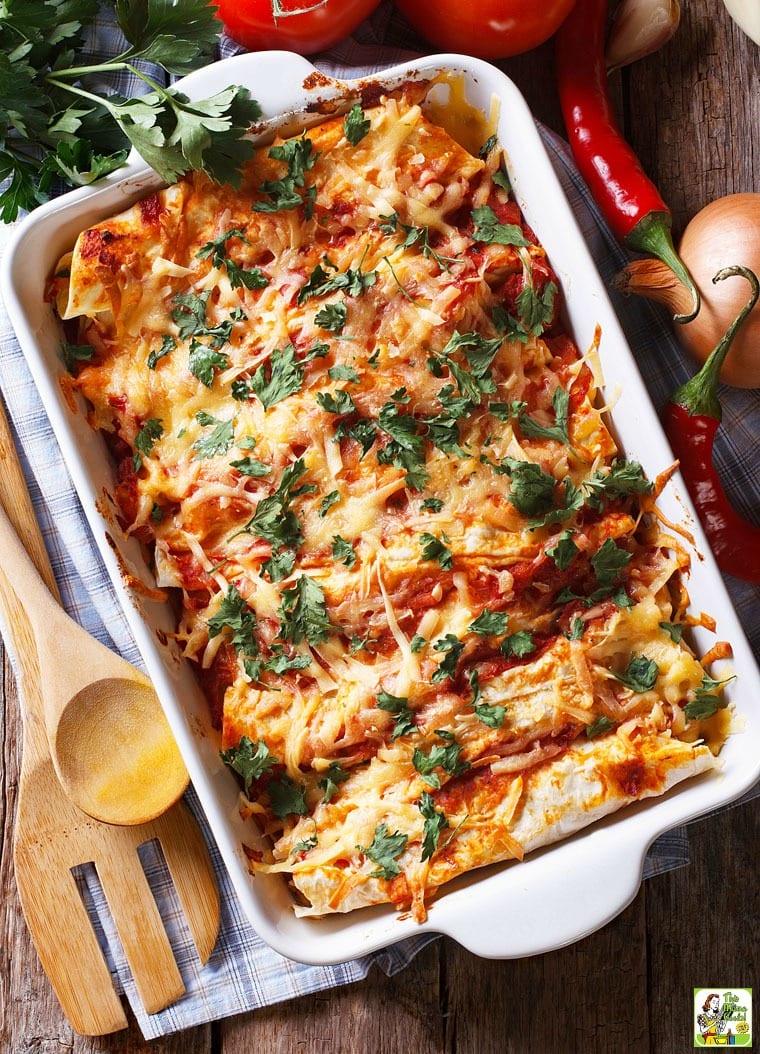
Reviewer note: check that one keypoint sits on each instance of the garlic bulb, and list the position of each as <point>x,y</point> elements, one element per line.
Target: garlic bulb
<point>746,14</point>
<point>640,27</point>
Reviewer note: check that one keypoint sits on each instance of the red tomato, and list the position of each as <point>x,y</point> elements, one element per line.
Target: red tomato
<point>488,29</point>
<point>318,25</point>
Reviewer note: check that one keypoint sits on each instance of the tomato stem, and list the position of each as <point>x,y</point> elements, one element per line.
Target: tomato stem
<point>279,12</point>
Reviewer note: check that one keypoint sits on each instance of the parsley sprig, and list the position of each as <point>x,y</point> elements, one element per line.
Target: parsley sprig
<point>55,124</point>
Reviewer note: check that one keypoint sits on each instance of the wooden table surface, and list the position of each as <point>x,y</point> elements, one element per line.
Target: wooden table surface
<point>692,112</point>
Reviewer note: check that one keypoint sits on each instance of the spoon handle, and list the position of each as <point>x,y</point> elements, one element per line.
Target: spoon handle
<point>46,617</point>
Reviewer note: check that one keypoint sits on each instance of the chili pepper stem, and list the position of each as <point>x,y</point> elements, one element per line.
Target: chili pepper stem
<point>652,234</point>
<point>699,395</point>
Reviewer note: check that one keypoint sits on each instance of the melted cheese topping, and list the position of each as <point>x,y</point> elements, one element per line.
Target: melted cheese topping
<point>424,591</point>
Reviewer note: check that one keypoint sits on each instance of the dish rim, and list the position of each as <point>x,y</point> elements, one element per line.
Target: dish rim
<point>597,882</point>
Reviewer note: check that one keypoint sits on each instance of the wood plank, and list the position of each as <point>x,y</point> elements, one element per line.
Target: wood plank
<point>699,139</point>
<point>380,1014</point>
<point>703,924</point>
<point>30,1016</point>
<point>589,997</point>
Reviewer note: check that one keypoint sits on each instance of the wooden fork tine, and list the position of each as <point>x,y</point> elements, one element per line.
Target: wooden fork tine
<point>187,858</point>
<point>90,999</point>
<point>140,929</point>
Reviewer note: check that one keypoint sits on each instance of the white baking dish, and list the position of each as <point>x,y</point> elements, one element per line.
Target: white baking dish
<point>561,893</point>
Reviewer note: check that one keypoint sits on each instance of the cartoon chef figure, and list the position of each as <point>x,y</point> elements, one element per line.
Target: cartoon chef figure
<point>713,1024</point>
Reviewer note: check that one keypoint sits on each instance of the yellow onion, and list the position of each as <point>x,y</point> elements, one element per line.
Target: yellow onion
<point>725,233</point>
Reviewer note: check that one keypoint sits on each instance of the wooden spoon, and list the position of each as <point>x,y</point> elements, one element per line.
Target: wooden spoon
<point>112,747</point>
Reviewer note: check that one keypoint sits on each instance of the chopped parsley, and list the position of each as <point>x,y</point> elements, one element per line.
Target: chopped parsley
<point>343,551</point>
<point>332,317</point>
<point>303,612</point>
<point>330,782</point>
<point>435,824</point>
<point>216,251</point>
<point>706,701</point>
<point>149,434</point>
<point>436,549</point>
<point>384,850</point>
<point>320,281</point>
<point>599,727</point>
<point>204,359</point>
<point>640,675</point>
<point>452,648</point>
<point>355,125</point>
<point>397,705</point>
<point>287,797</point>
<point>559,430</point>
<point>517,645</point>
<point>489,623</point>
<point>489,230</point>
<point>250,760</point>
<point>445,757</point>
<point>219,441</point>
<point>563,551</point>
<point>235,617</point>
<point>673,629</point>
<point>168,344</point>
<point>283,194</point>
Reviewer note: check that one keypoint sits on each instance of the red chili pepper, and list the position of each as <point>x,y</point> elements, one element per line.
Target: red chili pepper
<point>691,418</point>
<point>629,200</point>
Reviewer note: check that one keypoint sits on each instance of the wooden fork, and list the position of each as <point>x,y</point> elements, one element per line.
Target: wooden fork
<point>52,836</point>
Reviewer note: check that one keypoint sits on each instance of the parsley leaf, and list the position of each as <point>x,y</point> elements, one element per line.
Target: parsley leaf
<point>673,629</point>
<point>219,441</point>
<point>343,551</point>
<point>445,757</point>
<point>435,549</point>
<point>333,777</point>
<point>559,430</point>
<point>623,478</point>
<point>238,619</point>
<point>332,317</point>
<point>563,551</point>
<point>151,431</point>
<point>640,675</point>
<point>204,360</point>
<point>355,125</point>
<point>251,466</point>
<point>491,232</point>
<point>74,353</point>
<point>287,797</point>
<point>435,823</point>
<point>706,702</point>
<point>599,727</point>
<point>299,156</point>
<point>274,520</point>
<point>384,850</point>
<point>284,377</point>
<point>321,282</point>
<point>490,714</point>
<point>303,612</point>
<point>518,645</point>
<point>249,760</point>
<point>398,706</point>
<point>168,344</point>
<point>215,249</point>
<point>489,622</point>
<point>531,489</point>
<point>453,648</point>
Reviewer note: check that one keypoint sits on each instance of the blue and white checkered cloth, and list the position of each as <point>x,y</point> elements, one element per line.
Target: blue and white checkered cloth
<point>244,973</point>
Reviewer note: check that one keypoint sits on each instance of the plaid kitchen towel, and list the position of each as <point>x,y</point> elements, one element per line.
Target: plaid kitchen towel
<point>243,973</point>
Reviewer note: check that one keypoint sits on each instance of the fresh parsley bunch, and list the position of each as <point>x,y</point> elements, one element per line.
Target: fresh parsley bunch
<point>57,124</point>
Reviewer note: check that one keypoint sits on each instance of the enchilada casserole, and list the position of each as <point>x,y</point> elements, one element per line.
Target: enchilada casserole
<point>437,615</point>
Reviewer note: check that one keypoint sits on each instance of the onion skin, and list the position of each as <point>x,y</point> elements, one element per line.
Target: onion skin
<point>723,234</point>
